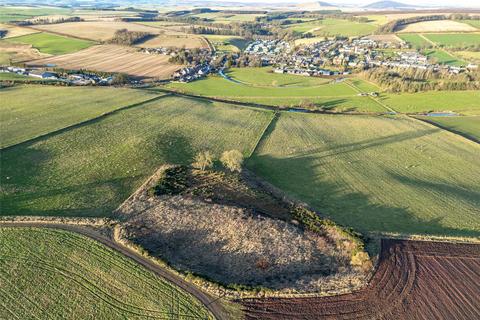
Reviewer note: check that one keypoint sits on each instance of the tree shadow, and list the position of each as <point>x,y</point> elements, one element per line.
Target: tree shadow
<point>300,178</point>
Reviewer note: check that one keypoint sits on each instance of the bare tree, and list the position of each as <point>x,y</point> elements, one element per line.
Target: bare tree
<point>203,160</point>
<point>232,160</point>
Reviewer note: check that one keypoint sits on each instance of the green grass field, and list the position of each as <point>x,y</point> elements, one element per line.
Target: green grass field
<point>56,274</point>
<point>388,174</point>
<point>265,77</point>
<point>473,23</point>
<point>52,43</point>
<point>29,111</point>
<point>464,102</point>
<point>227,43</point>
<point>8,14</point>
<point>443,57</point>
<point>338,96</point>
<point>414,39</point>
<point>222,17</point>
<point>334,27</point>
<point>90,170</point>
<point>454,39</point>
<point>468,126</point>
<point>14,76</point>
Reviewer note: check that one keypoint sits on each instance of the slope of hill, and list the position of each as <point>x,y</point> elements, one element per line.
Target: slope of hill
<point>388,5</point>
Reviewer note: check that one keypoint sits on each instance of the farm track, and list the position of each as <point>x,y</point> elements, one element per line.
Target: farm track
<point>414,280</point>
<point>210,303</point>
<point>82,123</point>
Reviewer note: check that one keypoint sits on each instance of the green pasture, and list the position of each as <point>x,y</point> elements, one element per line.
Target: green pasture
<point>52,43</point>
<point>337,96</point>
<point>473,23</point>
<point>227,43</point>
<point>91,169</point>
<point>454,39</point>
<point>464,102</point>
<point>8,14</point>
<point>443,57</point>
<point>30,111</point>
<point>414,39</point>
<point>222,17</point>
<point>265,77</point>
<point>375,174</point>
<point>53,274</point>
<point>468,126</point>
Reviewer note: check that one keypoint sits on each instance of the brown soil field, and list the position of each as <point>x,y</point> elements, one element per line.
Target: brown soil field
<point>178,41</point>
<point>438,26</point>
<point>225,230</point>
<point>414,280</point>
<point>15,31</point>
<point>18,52</point>
<point>113,58</point>
<point>95,30</point>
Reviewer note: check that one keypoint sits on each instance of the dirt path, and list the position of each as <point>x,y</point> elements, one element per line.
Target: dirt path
<point>211,303</point>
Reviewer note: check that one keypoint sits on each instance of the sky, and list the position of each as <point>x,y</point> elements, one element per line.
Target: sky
<point>449,3</point>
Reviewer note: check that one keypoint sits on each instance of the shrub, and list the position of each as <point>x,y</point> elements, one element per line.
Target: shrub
<point>361,260</point>
<point>203,160</point>
<point>173,181</point>
<point>232,160</point>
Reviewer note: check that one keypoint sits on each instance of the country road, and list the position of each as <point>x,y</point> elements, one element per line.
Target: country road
<point>211,303</point>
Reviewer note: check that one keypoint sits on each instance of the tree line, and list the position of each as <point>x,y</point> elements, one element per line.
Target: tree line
<point>416,80</point>
<point>128,38</point>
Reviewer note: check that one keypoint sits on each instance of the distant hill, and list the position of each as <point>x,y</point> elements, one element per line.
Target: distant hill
<point>388,5</point>
<point>317,5</point>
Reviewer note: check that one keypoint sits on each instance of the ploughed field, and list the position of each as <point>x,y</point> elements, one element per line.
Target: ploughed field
<point>54,274</point>
<point>387,174</point>
<point>113,58</point>
<point>90,169</point>
<point>414,280</point>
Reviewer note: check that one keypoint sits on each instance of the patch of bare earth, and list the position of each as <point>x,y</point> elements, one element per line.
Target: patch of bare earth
<point>223,229</point>
<point>20,52</point>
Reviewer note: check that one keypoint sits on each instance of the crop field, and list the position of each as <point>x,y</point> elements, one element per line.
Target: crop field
<point>95,30</point>
<point>414,280</point>
<point>91,169</point>
<point>334,27</point>
<point>15,31</point>
<point>338,96</point>
<point>52,43</point>
<point>464,102</point>
<point>443,57</point>
<point>178,41</point>
<point>416,40</point>
<point>222,17</point>
<point>265,77</point>
<point>473,23</point>
<point>113,58</point>
<point>468,126</point>
<point>380,174</point>
<point>23,117</point>
<point>454,39</point>
<point>438,26</point>
<point>57,274</point>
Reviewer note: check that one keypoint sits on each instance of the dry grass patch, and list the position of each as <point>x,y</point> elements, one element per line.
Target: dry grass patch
<point>18,52</point>
<point>95,30</point>
<point>113,58</point>
<point>222,228</point>
<point>438,26</point>
<point>178,41</point>
<point>15,31</point>
<point>385,38</point>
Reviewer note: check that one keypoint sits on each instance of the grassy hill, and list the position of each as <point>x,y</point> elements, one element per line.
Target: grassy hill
<point>57,275</point>
<point>90,170</point>
<point>30,111</point>
<point>388,174</point>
